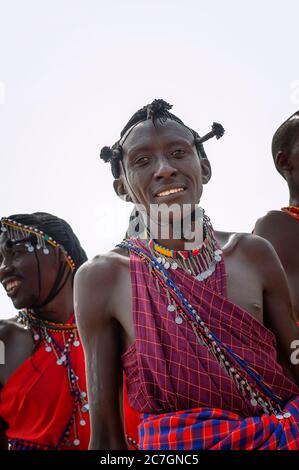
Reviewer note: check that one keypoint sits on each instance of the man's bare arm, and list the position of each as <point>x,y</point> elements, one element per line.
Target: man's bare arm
<point>278,311</point>
<point>94,288</point>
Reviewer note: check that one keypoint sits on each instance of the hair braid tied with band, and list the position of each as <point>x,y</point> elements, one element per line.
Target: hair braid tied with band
<point>157,110</point>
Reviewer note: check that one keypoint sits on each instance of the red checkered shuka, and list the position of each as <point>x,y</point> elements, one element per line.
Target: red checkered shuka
<point>215,429</point>
<point>168,371</point>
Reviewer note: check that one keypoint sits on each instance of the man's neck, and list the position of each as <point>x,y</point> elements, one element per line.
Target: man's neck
<point>60,308</point>
<point>294,197</point>
<point>173,242</point>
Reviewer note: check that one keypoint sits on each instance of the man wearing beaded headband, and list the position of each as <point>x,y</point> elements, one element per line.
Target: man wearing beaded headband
<point>187,326</point>
<point>281,228</point>
<point>43,402</point>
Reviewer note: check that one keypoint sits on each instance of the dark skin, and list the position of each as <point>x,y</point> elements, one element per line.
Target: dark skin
<point>16,263</point>
<point>281,229</point>
<point>154,158</point>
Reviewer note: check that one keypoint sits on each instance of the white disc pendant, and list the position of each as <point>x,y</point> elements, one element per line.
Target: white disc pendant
<point>171,308</point>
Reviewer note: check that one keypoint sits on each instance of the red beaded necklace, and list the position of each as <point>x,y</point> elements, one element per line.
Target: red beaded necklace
<point>293,211</point>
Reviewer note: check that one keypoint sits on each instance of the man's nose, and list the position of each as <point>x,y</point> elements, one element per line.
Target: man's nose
<point>164,168</point>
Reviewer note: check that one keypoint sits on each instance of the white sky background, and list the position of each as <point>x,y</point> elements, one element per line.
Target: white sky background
<point>72,73</point>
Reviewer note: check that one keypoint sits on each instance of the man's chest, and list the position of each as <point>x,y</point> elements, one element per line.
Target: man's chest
<point>244,285</point>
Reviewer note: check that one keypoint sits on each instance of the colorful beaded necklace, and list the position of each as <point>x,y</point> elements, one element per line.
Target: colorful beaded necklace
<point>199,262</point>
<point>42,332</point>
<point>258,392</point>
<point>293,211</point>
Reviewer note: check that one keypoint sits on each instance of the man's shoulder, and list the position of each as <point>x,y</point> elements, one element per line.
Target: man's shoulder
<point>96,286</point>
<point>260,254</point>
<point>102,268</point>
<point>241,240</point>
<point>7,328</point>
<point>270,220</point>
<point>253,243</point>
<point>247,244</point>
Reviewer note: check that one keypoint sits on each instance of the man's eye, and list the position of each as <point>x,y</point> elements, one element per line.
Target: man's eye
<point>178,153</point>
<point>142,159</point>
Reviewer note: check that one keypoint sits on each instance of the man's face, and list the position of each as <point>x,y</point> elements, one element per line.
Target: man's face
<point>19,273</point>
<point>162,165</point>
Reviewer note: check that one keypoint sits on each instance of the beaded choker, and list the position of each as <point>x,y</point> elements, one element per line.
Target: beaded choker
<point>43,335</point>
<point>199,262</point>
<point>293,211</point>
<point>29,320</point>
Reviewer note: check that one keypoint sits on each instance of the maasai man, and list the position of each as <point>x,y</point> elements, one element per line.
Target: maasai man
<point>195,330</point>
<point>43,401</point>
<point>281,228</point>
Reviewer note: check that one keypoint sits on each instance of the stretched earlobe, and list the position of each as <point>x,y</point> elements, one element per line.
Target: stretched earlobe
<point>121,190</point>
<point>206,170</point>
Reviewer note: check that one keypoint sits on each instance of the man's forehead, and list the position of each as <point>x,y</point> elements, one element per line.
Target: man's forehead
<point>146,133</point>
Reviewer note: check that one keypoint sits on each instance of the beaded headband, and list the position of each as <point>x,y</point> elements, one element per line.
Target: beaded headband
<point>19,232</point>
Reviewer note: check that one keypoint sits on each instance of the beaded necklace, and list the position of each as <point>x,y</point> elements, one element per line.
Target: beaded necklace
<point>200,262</point>
<point>258,392</point>
<point>293,211</point>
<point>42,332</point>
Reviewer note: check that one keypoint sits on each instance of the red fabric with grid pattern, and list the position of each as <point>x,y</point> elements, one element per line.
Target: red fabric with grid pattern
<point>214,429</point>
<point>168,370</point>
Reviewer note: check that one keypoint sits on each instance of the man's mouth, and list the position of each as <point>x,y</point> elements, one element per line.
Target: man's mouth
<point>167,192</point>
<point>11,286</point>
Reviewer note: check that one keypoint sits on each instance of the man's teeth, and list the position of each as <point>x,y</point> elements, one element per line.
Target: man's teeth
<point>170,191</point>
<point>11,285</point>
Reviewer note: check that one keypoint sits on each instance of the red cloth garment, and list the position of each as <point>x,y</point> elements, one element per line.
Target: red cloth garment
<point>37,404</point>
<point>132,420</point>
<point>167,368</point>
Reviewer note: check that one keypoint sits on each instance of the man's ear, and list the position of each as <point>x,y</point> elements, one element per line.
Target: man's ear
<point>283,162</point>
<point>206,170</point>
<point>121,191</point>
